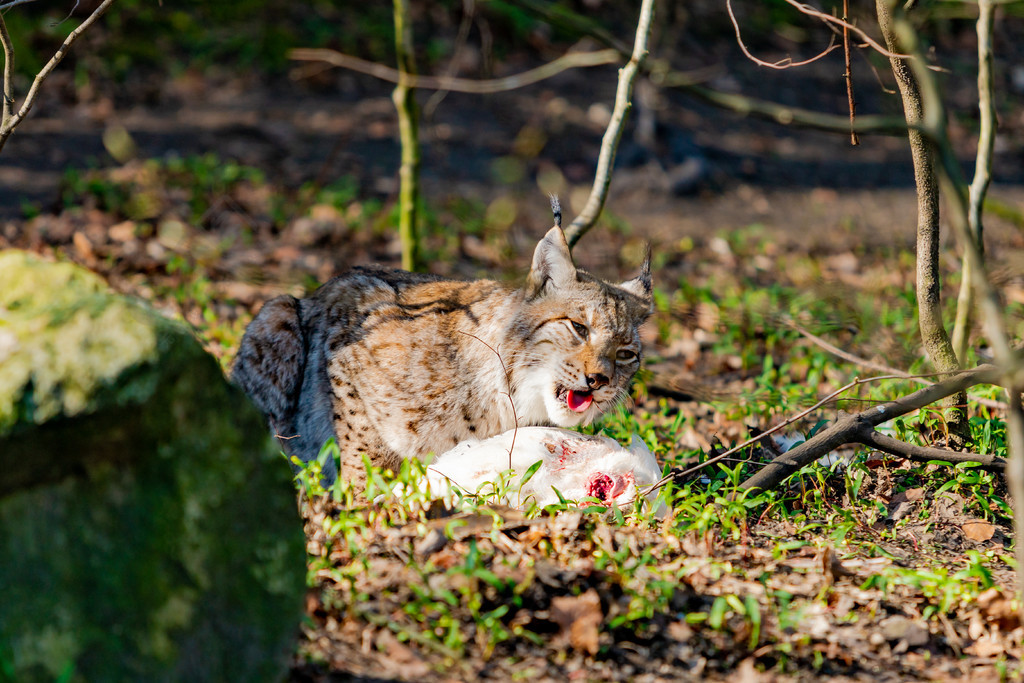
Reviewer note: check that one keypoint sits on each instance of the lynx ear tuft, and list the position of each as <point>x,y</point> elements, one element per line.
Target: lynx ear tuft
<point>641,284</point>
<point>552,264</point>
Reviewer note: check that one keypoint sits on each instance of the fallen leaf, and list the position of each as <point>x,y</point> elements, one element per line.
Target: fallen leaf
<point>997,608</point>
<point>986,646</point>
<point>579,617</point>
<point>747,672</point>
<point>82,245</point>
<point>978,530</point>
<point>680,631</point>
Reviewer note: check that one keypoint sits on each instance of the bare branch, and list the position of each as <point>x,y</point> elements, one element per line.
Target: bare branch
<point>786,63</point>
<point>572,60</point>
<point>610,142</point>
<point>887,444</point>
<point>8,95</point>
<point>846,26</point>
<point>848,75</point>
<point>661,74</point>
<point>785,115</point>
<point>982,172</point>
<point>749,442</point>
<point>30,99</point>
<point>13,3</point>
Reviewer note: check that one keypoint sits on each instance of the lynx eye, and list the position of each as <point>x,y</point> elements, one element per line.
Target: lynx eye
<point>626,355</point>
<point>580,329</point>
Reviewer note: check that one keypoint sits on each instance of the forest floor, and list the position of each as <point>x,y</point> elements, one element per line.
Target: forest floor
<point>230,191</point>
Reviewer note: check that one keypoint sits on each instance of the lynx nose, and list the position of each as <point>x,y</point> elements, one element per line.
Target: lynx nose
<point>595,380</point>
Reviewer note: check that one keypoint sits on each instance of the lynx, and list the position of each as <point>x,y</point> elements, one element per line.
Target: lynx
<point>400,365</point>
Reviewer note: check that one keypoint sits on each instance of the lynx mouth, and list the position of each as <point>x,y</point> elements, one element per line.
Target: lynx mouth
<point>577,401</point>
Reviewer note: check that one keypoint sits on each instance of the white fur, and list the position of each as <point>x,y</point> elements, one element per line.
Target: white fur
<point>569,461</point>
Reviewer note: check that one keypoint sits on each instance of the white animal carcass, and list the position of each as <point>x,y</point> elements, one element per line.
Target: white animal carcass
<point>577,465</point>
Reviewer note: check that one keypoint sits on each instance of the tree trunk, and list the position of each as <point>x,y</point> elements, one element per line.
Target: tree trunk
<point>933,333</point>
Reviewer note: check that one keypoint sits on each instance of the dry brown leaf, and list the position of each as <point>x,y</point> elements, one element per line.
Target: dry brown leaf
<point>579,617</point>
<point>986,646</point>
<point>680,631</point>
<point>978,530</point>
<point>747,672</point>
<point>907,496</point>
<point>997,608</point>
<point>82,245</point>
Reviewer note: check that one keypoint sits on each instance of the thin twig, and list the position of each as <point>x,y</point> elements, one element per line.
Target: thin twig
<point>786,63</point>
<point>573,60</point>
<point>13,3</point>
<point>610,142</point>
<point>848,75</point>
<point>786,115</point>
<point>836,21</point>
<point>33,92</point>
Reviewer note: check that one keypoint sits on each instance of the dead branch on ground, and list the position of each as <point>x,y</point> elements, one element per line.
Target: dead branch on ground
<point>860,428</point>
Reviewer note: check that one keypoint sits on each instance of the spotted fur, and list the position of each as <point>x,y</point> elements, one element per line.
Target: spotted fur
<point>398,365</point>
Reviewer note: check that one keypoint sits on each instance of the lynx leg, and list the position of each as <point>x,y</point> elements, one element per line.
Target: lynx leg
<point>356,435</point>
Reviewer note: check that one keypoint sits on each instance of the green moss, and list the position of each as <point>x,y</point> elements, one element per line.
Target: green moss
<point>61,339</point>
<point>148,528</point>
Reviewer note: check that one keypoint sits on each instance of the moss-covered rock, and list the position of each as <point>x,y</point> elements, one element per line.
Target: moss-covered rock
<point>148,528</point>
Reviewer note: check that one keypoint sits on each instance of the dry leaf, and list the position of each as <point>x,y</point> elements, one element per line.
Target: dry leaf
<point>908,496</point>
<point>747,672</point>
<point>998,609</point>
<point>82,245</point>
<point>579,617</point>
<point>978,530</point>
<point>680,631</point>
<point>986,646</point>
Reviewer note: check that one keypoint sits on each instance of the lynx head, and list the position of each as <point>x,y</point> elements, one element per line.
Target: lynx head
<point>582,342</point>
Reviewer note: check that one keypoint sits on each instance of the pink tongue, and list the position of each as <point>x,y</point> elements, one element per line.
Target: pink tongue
<point>578,402</point>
